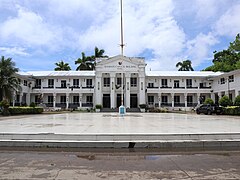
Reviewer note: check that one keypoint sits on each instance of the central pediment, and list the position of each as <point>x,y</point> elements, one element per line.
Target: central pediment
<point>119,62</point>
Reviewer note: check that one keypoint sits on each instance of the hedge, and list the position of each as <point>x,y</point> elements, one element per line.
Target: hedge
<point>25,110</point>
<point>231,110</point>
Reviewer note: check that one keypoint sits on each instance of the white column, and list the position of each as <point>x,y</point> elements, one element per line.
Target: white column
<point>20,98</point>
<point>80,100</point>
<point>127,88</point>
<point>28,98</point>
<point>236,92</point>
<point>159,99</point>
<point>98,89</point>
<point>172,100</point>
<point>142,93</point>
<point>213,96</point>
<point>112,86</point>
<point>185,99</point>
<point>198,98</point>
<point>54,100</point>
<point>67,100</point>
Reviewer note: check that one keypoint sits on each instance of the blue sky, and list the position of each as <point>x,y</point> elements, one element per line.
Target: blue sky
<point>38,33</point>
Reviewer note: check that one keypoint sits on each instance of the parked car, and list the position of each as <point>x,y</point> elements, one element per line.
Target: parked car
<point>209,109</point>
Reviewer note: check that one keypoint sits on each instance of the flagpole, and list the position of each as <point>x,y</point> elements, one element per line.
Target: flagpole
<point>122,110</point>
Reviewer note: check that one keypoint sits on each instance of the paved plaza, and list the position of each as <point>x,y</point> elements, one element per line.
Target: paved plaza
<point>109,130</point>
<point>132,123</point>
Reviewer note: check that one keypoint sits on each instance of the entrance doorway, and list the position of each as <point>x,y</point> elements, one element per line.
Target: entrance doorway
<point>133,101</point>
<point>106,101</point>
<point>119,100</point>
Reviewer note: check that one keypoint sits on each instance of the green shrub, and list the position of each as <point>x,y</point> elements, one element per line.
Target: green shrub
<point>237,101</point>
<point>5,108</point>
<point>208,101</point>
<point>225,101</point>
<point>231,110</point>
<point>142,106</point>
<point>32,104</point>
<point>25,110</point>
<point>98,106</point>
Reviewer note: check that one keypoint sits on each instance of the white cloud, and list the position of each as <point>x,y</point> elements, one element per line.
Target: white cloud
<point>228,24</point>
<point>14,51</point>
<point>28,29</point>
<point>198,49</point>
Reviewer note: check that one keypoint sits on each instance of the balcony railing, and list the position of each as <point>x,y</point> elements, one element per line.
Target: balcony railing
<point>205,87</point>
<point>165,87</point>
<point>166,104</point>
<point>152,87</point>
<point>87,104</point>
<point>49,87</point>
<point>178,87</point>
<point>192,87</point>
<point>36,87</point>
<point>88,87</point>
<point>61,87</point>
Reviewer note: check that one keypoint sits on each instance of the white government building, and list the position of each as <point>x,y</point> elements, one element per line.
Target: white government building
<point>85,89</point>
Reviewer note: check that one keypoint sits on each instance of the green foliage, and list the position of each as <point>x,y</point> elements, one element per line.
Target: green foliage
<point>62,66</point>
<point>25,110</point>
<point>231,110</point>
<point>225,101</point>
<point>98,106</point>
<point>5,107</point>
<point>227,60</point>
<point>185,65</point>
<point>208,101</point>
<point>32,104</point>
<point>237,101</point>
<point>8,81</point>
<point>142,106</point>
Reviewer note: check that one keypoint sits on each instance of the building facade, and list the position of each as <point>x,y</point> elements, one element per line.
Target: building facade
<point>105,86</point>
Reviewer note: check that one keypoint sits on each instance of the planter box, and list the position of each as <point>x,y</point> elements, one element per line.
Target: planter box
<point>142,110</point>
<point>97,110</point>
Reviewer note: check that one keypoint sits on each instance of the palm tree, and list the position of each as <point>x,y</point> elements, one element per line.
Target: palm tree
<point>62,66</point>
<point>97,54</point>
<point>8,81</point>
<point>185,65</point>
<point>84,63</point>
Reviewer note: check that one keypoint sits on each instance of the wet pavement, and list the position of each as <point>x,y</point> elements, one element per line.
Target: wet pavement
<point>97,123</point>
<point>110,164</point>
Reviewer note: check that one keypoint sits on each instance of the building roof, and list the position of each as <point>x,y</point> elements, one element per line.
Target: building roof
<point>57,73</point>
<point>183,73</point>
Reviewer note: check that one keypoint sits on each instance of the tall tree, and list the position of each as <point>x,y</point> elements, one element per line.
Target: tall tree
<point>8,81</point>
<point>227,60</point>
<point>85,63</point>
<point>99,53</point>
<point>185,65</point>
<point>62,66</point>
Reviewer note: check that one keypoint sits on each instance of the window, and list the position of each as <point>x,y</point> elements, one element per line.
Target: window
<point>25,83</point>
<point>75,99</point>
<point>89,82</point>
<point>164,83</point>
<point>62,99</point>
<point>189,99</point>
<point>150,100</point>
<point>189,82</point>
<point>164,99</point>
<point>133,82</point>
<point>222,80</point>
<point>176,83</point>
<point>89,99</point>
<point>150,85</point>
<point>176,99</point>
<point>63,84</point>
<point>50,99</point>
<point>38,83</point>
<point>75,82</point>
<point>106,82</point>
<point>119,81</point>
<point>231,78</point>
<point>51,83</point>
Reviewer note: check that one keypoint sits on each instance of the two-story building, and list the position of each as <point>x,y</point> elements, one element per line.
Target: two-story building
<point>124,75</point>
